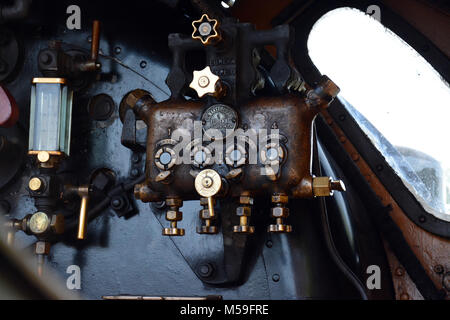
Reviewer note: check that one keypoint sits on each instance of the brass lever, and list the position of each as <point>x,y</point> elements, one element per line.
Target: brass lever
<point>207,184</point>
<point>83,192</point>
<point>92,64</point>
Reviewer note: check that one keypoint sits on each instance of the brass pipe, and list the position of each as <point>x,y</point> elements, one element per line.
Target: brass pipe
<point>95,40</point>
<point>211,207</point>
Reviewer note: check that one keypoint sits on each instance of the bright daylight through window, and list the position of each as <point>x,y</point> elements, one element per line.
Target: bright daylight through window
<point>385,81</point>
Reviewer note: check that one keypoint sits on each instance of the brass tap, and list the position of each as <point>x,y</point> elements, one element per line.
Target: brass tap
<point>279,212</point>
<point>244,212</point>
<point>173,215</point>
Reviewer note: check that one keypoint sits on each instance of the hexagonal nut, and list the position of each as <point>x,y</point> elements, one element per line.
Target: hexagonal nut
<point>244,229</point>
<point>321,187</point>
<point>246,200</point>
<point>280,198</point>
<point>173,232</point>
<point>42,247</point>
<point>204,201</point>
<point>204,214</point>
<point>279,212</point>
<point>174,202</point>
<point>173,215</point>
<point>57,224</point>
<point>279,228</point>
<point>207,230</point>
<point>244,211</point>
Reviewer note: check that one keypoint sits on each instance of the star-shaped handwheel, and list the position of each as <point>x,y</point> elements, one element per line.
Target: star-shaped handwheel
<point>205,30</point>
<point>204,82</point>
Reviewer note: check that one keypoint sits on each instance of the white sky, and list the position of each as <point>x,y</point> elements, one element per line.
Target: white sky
<point>386,80</point>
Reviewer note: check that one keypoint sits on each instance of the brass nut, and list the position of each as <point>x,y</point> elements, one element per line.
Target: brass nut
<point>280,198</point>
<point>280,212</point>
<point>173,232</point>
<point>204,201</point>
<point>57,224</point>
<point>207,230</point>
<point>35,184</point>
<point>279,228</point>
<point>42,247</point>
<point>244,229</point>
<point>174,202</point>
<point>321,187</point>
<point>204,214</point>
<point>246,200</point>
<point>172,215</point>
<point>244,211</point>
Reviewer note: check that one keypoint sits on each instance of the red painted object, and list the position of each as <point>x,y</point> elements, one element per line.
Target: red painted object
<point>9,112</point>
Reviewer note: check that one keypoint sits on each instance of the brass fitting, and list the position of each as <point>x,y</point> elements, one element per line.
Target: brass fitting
<point>244,211</point>
<point>325,186</point>
<point>173,215</point>
<point>207,219</point>
<point>35,184</point>
<point>279,212</point>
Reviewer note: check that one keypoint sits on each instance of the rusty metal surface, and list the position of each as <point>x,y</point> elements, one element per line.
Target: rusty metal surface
<point>260,113</point>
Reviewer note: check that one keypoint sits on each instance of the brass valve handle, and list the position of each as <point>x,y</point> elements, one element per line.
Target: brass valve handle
<point>206,30</point>
<point>83,192</point>
<point>207,184</point>
<point>206,82</point>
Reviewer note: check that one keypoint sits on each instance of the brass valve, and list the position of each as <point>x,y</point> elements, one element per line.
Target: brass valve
<point>206,30</point>
<point>206,82</point>
<point>207,218</point>
<point>325,186</point>
<point>173,214</point>
<point>279,212</point>
<point>244,212</point>
<point>207,184</point>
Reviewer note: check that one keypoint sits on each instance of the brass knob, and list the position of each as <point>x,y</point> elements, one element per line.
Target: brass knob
<point>206,82</point>
<point>206,30</point>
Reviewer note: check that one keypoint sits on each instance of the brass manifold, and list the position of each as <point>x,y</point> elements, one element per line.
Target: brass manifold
<point>291,114</point>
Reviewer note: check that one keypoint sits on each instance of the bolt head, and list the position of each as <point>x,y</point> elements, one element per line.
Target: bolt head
<point>244,211</point>
<point>39,223</point>
<point>172,215</point>
<point>203,81</point>
<point>279,212</point>
<point>35,184</point>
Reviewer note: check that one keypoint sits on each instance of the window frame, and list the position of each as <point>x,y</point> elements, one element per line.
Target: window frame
<point>303,25</point>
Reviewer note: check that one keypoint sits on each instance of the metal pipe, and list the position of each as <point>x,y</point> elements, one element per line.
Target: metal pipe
<point>95,40</point>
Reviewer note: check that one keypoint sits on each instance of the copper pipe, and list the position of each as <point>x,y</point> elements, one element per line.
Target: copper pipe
<point>95,40</point>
